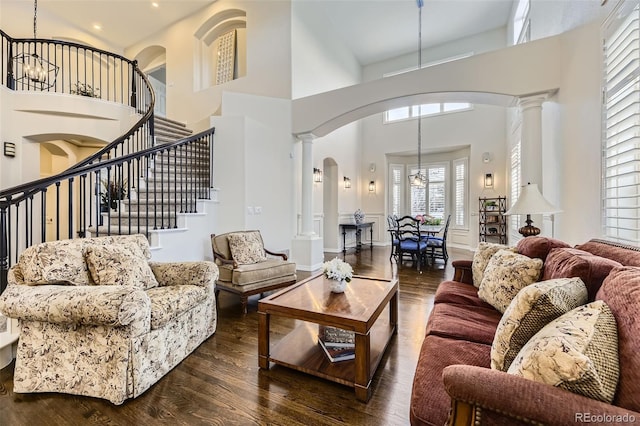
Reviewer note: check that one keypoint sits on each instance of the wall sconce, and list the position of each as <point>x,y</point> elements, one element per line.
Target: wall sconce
<point>372,186</point>
<point>9,149</point>
<point>488,180</point>
<point>317,175</point>
<point>347,182</point>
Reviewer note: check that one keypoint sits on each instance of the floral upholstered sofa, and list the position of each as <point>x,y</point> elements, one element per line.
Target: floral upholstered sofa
<point>96,318</point>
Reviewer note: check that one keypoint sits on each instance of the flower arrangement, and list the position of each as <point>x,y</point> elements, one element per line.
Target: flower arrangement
<point>338,270</point>
<point>428,220</point>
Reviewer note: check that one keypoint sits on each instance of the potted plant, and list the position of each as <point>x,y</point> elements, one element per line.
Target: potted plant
<point>83,89</point>
<point>114,191</point>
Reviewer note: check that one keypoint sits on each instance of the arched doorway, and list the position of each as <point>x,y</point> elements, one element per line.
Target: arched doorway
<point>330,203</point>
<point>153,61</point>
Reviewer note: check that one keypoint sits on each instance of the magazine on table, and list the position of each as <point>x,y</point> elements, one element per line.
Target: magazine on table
<point>334,337</point>
<point>338,353</point>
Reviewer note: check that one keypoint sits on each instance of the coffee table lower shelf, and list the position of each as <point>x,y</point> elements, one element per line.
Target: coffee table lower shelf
<point>300,351</point>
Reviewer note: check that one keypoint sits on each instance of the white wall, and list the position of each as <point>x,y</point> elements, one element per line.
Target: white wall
<point>268,59</point>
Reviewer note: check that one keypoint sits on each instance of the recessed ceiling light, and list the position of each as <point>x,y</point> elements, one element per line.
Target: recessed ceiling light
<point>97,27</point>
<point>155,4</point>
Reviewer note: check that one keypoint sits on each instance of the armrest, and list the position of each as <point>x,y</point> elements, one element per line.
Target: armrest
<point>219,257</point>
<point>462,271</point>
<point>272,253</point>
<point>83,305</point>
<point>201,273</point>
<point>515,397</point>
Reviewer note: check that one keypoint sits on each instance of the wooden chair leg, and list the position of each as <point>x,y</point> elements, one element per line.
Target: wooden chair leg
<point>244,301</point>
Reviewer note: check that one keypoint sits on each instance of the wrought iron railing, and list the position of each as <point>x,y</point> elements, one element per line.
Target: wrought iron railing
<point>129,186</point>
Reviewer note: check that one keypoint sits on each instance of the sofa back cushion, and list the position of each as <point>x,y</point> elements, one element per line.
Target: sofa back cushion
<point>571,262</point>
<point>622,253</point>
<point>119,264</point>
<point>538,247</point>
<point>63,261</point>
<point>621,292</point>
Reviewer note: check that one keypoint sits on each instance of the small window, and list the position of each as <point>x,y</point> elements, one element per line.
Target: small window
<point>521,32</point>
<point>461,192</point>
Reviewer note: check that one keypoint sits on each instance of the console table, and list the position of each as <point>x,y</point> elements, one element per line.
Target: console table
<point>358,227</point>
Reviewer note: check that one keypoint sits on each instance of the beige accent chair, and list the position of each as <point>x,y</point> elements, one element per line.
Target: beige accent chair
<point>251,278</point>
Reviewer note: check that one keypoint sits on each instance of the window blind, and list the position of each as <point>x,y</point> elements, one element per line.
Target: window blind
<point>516,183</point>
<point>621,124</point>
<point>460,171</point>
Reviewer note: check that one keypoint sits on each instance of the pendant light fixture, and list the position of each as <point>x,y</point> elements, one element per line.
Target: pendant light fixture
<point>418,179</point>
<point>33,70</point>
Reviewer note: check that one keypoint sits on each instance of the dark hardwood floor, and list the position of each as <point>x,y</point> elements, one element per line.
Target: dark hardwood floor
<point>220,383</point>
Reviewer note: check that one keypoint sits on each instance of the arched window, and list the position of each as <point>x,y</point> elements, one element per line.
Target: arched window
<point>221,49</point>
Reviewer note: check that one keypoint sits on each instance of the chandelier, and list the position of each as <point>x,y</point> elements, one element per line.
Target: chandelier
<point>33,70</point>
<point>418,179</point>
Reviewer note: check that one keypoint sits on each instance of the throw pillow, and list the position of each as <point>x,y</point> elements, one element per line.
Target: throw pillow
<point>506,274</point>
<point>538,246</point>
<point>481,259</point>
<point>246,248</point>
<point>120,265</point>
<point>56,262</point>
<point>577,352</point>
<point>534,306</point>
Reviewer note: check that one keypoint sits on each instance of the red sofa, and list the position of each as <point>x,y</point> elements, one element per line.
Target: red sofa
<point>454,382</point>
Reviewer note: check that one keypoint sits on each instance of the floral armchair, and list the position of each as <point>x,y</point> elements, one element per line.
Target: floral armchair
<point>96,318</point>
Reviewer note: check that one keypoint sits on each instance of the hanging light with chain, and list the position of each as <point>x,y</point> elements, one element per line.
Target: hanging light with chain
<point>418,179</point>
<point>33,70</point>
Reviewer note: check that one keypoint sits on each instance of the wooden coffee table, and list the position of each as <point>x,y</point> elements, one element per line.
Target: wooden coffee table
<point>357,309</point>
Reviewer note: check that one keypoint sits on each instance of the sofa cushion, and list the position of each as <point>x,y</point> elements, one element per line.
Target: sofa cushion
<point>481,259</point>
<point>430,403</point>
<point>457,293</point>
<point>577,352</point>
<point>621,292</point>
<point>474,324</point>
<point>506,274</point>
<point>571,262</point>
<point>168,302</point>
<point>120,265</point>
<point>533,307</point>
<point>538,247</point>
<point>262,271</point>
<point>625,254</point>
<point>247,247</point>
<point>56,262</point>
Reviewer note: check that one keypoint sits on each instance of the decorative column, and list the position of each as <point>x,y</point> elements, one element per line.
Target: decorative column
<point>306,225</point>
<point>531,142</point>
<point>307,247</point>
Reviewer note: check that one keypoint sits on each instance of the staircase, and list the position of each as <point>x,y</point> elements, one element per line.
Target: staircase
<point>174,191</point>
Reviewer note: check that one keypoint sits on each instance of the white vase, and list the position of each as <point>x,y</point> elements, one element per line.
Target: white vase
<point>338,286</point>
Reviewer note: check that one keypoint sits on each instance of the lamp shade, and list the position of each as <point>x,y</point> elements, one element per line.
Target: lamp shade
<point>531,201</point>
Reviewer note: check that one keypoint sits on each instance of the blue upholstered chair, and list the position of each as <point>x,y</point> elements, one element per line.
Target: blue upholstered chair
<point>437,246</point>
<point>410,241</point>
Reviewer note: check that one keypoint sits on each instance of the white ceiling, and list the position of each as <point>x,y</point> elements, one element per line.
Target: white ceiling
<point>373,29</point>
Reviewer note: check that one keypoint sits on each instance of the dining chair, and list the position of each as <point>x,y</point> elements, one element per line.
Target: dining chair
<point>392,227</point>
<point>410,241</point>
<point>438,245</point>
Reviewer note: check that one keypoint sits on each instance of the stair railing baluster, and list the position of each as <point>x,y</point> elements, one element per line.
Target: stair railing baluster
<point>71,204</point>
<point>4,249</point>
<point>155,191</point>
<point>175,186</point>
<point>43,215</point>
<point>57,210</point>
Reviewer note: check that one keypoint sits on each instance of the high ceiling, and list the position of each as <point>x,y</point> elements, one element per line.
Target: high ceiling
<point>373,29</point>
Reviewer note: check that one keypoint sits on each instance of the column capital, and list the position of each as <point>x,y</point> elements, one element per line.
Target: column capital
<point>306,137</point>
<point>534,100</point>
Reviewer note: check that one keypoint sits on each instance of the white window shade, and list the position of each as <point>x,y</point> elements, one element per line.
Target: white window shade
<point>621,123</point>
<point>461,192</point>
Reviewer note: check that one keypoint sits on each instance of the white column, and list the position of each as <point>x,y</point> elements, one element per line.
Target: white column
<point>307,248</point>
<point>306,227</point>
<point>531,142</point>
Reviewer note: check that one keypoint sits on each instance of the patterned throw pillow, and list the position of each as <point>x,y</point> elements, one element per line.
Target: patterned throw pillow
<point>481,259</point>
<point>506,274</point>
<point>120,265</point>
<point>577,352</point>
<point>56,262</point>
<point>534,306</point>
<point>246,248</point>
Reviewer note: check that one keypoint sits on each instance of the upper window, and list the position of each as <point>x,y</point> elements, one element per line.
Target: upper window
<point>621,124</point>
<point>521,31</point>
<point>409,112</point>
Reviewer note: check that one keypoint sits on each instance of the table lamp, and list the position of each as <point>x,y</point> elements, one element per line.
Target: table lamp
<point>531,202</point>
